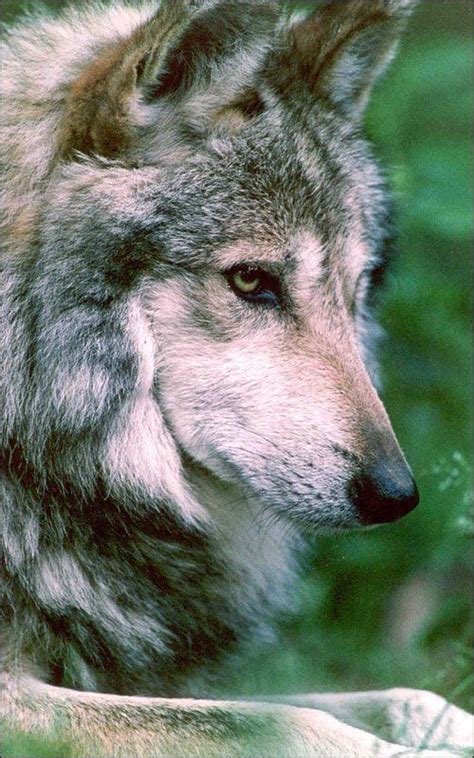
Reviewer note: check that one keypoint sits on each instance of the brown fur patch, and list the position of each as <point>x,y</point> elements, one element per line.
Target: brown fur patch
<point>317,42</point>
<point>243,109</point>
<point>21,229</point>
<point>97,112</point>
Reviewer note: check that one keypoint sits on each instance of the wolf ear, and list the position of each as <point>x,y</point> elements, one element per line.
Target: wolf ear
<point>199,53</point>
<point>342,48</point>
<point>97,109</point>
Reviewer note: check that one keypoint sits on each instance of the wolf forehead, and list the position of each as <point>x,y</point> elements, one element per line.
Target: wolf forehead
<point>275,181</point>
<point>267,187</point>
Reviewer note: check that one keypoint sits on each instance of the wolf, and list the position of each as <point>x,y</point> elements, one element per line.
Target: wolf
<point>194,231</point>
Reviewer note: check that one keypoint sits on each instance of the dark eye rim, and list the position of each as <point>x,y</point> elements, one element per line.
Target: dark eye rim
<point>269,290</point>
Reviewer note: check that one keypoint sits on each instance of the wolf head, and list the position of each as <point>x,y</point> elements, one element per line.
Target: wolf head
<point>195,227</point>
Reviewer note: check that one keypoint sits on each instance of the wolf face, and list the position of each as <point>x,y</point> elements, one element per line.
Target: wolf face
<point>263,369</point>
<point>204,278</point>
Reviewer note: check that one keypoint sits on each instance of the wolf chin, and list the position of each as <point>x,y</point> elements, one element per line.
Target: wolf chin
<point>194,230</point>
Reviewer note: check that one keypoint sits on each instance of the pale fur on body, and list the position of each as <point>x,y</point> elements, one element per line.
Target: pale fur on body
<point>166,442</point>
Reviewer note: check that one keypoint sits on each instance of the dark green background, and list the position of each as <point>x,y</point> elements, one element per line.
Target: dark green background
<point>391,606</point>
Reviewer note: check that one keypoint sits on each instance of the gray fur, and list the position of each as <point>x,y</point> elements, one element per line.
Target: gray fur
<point>165,445</point>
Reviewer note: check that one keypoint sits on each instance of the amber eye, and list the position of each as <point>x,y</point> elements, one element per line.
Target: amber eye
<point>254,284</point>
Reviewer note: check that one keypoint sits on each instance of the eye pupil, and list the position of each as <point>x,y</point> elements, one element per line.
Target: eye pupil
<point>248,275</point>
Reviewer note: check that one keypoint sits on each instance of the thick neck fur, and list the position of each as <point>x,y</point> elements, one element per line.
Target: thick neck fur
<point>141,605</point>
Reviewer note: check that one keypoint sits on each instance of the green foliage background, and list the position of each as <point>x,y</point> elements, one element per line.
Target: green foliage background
<point>391,606</point>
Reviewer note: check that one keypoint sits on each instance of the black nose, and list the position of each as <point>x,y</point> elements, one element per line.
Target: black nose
<point>381,495</point>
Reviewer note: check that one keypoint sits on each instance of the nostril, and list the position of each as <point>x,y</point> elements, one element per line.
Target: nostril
<point>381,495</point>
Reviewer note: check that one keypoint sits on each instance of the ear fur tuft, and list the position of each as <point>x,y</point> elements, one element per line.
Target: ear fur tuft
<point>97,111</point>
<point>341,49</point>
